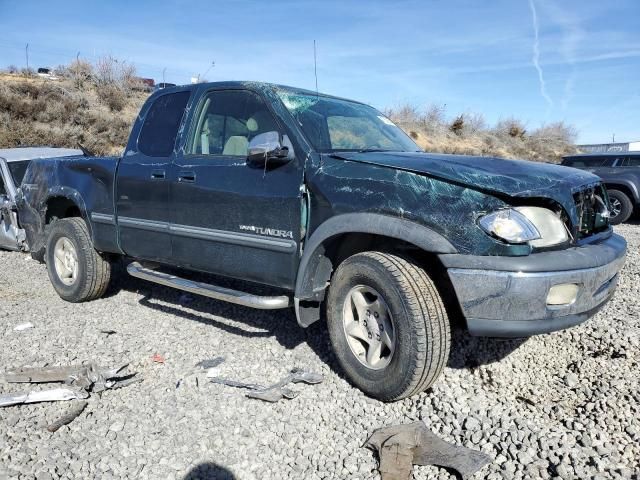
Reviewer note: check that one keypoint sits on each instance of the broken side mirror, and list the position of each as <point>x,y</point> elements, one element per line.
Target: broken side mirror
<point>265,148</point>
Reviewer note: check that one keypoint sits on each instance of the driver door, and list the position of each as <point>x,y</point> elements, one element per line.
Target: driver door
<point>231,217</point>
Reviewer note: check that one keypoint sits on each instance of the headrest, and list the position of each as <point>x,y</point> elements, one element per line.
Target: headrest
<point>252,125</point>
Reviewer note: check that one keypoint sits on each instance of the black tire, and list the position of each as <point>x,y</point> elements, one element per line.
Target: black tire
<point>419,320</point>
<point>93,271</point>
<point>623,203</point>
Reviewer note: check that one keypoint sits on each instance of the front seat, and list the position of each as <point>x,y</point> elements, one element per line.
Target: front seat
<point>236,145</point>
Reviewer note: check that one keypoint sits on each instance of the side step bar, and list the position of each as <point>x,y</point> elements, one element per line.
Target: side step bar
<point>213,291</point>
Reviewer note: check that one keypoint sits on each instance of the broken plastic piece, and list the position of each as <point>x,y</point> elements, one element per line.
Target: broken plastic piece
<point>87,377</point>
<point>53,395</point>
<point>210,363</point>
<point>157,358</point>
<point>402,446</point>
<point>277,391</point>
<point>23,326</point>
<point>68,418</point>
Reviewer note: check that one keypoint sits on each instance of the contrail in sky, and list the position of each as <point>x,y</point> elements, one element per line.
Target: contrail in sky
<point>536,54</point>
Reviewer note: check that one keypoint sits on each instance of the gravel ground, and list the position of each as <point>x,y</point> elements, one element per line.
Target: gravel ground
<point>563,405</point>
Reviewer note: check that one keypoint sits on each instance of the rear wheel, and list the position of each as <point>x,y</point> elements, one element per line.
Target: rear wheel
<point>77,272</point>
<point>388,325</point>
<point>621,207</point>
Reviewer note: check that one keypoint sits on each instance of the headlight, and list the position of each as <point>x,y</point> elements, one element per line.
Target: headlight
<point>538,226</point>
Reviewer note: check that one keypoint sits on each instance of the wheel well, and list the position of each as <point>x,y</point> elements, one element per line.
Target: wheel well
<point>342,246</point>
<point>622,188</point>
<point>61,207</point>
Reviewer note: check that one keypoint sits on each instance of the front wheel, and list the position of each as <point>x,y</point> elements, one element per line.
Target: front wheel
<point>77,272</point>
<point>388,325</point>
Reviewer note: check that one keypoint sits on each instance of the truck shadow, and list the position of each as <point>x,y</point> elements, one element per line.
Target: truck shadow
<point>234,319</point>
<point>467,352</point>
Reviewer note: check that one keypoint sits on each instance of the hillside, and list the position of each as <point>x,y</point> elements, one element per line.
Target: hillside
<point>95,105</point>
<point>80,107</point>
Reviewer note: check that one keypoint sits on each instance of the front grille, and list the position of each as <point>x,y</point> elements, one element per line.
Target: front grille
<point>592,207</point>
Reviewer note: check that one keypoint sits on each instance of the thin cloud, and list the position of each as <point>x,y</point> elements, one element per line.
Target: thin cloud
<point>536,55</point>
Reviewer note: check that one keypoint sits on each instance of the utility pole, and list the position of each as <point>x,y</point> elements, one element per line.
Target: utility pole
<point>614,138</point>
<point>26,50</point>
<point>163,70</point>
<point>77,57</point>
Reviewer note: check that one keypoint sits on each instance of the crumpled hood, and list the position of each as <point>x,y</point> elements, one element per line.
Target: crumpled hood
<point>517,178</point>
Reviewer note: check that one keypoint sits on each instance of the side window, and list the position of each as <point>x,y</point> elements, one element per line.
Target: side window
<point>160,129</point>
<point>631,162</point>
<point>3,190</point>
<point>227,122</point>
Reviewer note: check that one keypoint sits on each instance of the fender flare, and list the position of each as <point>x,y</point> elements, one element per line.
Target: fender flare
<point>629,185</point>
<point>315,268</point>
<point>74,197</point>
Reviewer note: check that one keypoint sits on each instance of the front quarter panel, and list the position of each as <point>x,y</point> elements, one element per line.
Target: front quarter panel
<point>340,186</point>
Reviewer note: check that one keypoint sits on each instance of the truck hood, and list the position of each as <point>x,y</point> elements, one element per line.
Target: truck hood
<point>515,178</point>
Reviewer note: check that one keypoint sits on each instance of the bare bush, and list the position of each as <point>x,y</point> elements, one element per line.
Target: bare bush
<point>81,72</point>
<point>113,97</point>
<point>111,71</point>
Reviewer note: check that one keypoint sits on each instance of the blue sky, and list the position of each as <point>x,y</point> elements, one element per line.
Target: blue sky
<point>478,56</point>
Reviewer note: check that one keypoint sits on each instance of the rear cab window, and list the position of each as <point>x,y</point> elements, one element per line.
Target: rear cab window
<point>160,128</point>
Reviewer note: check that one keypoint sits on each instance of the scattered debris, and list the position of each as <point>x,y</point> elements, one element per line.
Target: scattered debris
<point>526,400</point>
<point>402,446</point>
<point>277,391</point>
<point>157,358</point>
<point>89,377</point>
<point>53,395</point>
<point>69,417</point>
<point>108,332</point>
<point>210,363</point>
<point>23,326</point>
<point>82,379</point>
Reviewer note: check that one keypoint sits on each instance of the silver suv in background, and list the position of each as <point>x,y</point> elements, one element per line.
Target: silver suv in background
<point>620,172</point>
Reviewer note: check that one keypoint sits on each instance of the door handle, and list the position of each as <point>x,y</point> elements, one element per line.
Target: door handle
<point>189,177</point>
<point>158,175</point>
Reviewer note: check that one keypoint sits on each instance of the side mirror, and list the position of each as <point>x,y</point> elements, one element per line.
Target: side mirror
<point>266,148</point>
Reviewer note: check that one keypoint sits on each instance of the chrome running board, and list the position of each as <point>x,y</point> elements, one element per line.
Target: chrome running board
<point>135,269</point>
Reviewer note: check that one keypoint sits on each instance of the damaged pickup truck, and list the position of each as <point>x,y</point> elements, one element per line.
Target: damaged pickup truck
<point>329,202</point>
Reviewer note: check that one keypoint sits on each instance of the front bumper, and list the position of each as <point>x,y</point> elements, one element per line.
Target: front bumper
<point>507,296</point>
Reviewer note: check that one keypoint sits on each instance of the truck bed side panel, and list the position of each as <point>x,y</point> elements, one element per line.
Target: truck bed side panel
<point>88,182</point>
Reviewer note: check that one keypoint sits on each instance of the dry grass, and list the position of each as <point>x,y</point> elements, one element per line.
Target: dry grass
<point>469,134</point>
<point>82,107</point>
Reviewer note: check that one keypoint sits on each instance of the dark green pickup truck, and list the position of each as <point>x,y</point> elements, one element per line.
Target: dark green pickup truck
<point>330,203</point>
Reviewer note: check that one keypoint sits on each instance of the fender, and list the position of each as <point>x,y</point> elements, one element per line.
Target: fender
<point>315,268</point>
<point>620,182</point>
<point>36,236</point>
